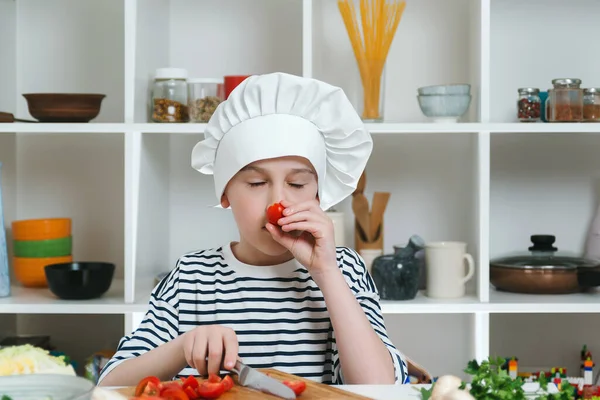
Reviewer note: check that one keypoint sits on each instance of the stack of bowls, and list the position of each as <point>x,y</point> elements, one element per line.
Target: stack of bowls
<point>444,103</point>
<point>37,243</point>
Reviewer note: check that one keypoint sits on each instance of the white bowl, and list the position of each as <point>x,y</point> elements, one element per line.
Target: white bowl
<point>46,386</point>
<point>454,88</point>
<point>444,108</point>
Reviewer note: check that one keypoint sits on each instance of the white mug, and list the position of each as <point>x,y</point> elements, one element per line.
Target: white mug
<point>337,217</point>
<point>445,263</point>
<point>368,255</point>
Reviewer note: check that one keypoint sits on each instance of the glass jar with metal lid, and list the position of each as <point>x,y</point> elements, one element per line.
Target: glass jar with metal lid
<point>591,105</point>
<point>566,100</point>
<point>529,105</point>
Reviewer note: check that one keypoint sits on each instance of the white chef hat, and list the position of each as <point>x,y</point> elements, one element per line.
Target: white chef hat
<point>279,114</point>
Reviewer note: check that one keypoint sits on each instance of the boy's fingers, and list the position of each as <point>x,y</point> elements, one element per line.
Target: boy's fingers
<point>199,354</point>
<point>188,351</point>
<point>215,353</point>
<point>230,343</point>
<point>279,236</point>
<point>304,206</point>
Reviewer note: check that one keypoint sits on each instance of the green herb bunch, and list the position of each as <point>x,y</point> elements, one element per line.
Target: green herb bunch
<point>491,382</point>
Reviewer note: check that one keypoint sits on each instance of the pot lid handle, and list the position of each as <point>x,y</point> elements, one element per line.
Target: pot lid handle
<point>543,243</point>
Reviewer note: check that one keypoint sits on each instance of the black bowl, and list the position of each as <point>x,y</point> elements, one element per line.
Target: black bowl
<point>79,280</point>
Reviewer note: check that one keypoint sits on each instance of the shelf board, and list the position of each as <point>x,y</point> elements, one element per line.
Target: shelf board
<point>503,302</point>
<point>91,127</point>
<point>42,301</point>
<point>425,305</point>
<point>392,128</point>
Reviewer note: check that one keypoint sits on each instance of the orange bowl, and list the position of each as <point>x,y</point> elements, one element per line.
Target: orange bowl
<point>30,272</point>
<point>41,229</point>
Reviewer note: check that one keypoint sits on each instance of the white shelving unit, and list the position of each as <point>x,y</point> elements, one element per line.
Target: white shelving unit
<point>135,200</point>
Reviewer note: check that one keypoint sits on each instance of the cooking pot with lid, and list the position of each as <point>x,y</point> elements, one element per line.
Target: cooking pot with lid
<point>544,270</point>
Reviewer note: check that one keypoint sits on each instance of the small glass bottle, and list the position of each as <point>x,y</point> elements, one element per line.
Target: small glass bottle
<point>529,105</point>
<point>566,100</point>
<point>591,105</point>
<point>170,96</point>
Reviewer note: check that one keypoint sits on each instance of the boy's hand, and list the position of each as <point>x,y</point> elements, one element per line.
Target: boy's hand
<point>314,246</point>
<point>216,343</point>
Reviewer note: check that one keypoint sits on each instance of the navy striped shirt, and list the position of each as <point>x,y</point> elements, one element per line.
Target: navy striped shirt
<point>277,312</point>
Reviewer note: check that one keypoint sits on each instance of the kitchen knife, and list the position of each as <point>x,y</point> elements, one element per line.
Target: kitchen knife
<point>250,377</point>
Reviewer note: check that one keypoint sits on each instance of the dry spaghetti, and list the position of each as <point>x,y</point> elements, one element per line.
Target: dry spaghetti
<point>371,40</point>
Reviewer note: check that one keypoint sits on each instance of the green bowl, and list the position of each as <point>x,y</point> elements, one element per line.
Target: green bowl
<point>43,248</point>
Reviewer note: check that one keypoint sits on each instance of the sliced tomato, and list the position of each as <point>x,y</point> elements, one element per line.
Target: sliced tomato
<point>191,392</point>
<point>214,378</point>
<point>210,390</point>
<point>274,212</point>
<point>141,386</point>
<point>227,383</point>
<point>190,381</point>
<point>297,386</point>
<point>173,393</point>
<point>170,385</point>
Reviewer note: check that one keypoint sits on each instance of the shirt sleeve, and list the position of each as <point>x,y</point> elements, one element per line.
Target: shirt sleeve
<point>364,289</point>
<point>159,326</point>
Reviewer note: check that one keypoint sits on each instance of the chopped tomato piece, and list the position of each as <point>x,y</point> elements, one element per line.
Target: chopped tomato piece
<point>141,386</point>
<point>274,212</point>
<point>214,378</point>
<point>172,393</point>
<point>191,392</point>
<point>170,385</point>
<point>190,381</point>
<point>297,386</point>
<point>210,390</point>
<point>227,382</point>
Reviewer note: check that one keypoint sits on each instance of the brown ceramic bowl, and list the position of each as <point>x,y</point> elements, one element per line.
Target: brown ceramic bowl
<point>64,107</point>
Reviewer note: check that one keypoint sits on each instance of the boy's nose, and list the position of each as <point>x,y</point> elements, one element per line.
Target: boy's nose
<point>276,195</point>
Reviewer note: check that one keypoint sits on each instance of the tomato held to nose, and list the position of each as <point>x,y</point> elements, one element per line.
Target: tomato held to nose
<point>274,212</point>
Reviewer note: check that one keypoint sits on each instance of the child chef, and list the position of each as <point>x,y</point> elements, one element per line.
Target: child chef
<point>283,296</point>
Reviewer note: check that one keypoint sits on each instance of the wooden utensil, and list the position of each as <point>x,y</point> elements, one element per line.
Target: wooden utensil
<point>360,207</point>
<point>8,117</point>
<point>380,200</point>
<point>362,183</point>
<point>314,390</point>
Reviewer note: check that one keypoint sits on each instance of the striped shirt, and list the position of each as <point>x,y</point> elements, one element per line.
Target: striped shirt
<point>277,312</point>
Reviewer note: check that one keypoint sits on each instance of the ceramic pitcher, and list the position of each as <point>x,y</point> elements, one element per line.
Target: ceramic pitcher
<point>4,274</point>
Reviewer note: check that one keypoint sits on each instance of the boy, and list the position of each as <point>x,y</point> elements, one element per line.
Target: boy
<point>284,296</point>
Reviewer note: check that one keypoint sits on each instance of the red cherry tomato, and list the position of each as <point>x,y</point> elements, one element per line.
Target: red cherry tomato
<point>148,386</point>
<point>214,378</point>
<point>297,386</point>
<point>173,393</point>
<point>190,381</point>
<point>227,382</point>
<point>208,390</point>
<point>274,212</point>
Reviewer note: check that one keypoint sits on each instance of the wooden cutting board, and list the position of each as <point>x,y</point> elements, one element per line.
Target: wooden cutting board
<point>314,390</point>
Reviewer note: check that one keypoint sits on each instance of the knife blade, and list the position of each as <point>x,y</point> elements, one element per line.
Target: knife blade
<point>248,376</point>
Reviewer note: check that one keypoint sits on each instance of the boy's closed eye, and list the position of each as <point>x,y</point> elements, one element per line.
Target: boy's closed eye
<point>291,184</point>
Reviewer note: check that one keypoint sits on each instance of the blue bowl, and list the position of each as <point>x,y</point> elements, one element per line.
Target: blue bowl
<point>444,108</point>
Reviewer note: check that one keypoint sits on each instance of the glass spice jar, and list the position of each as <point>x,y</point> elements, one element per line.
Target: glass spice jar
<point>566,101</point>
<point>170,96</point>
<point>529,105</point>
<point>591,105</point>
<point>203,97</point>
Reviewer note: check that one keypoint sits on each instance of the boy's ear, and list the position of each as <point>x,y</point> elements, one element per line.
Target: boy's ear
<point>225,201</point>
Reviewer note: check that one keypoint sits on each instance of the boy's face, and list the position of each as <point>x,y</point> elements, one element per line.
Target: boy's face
<point>262,183</point>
